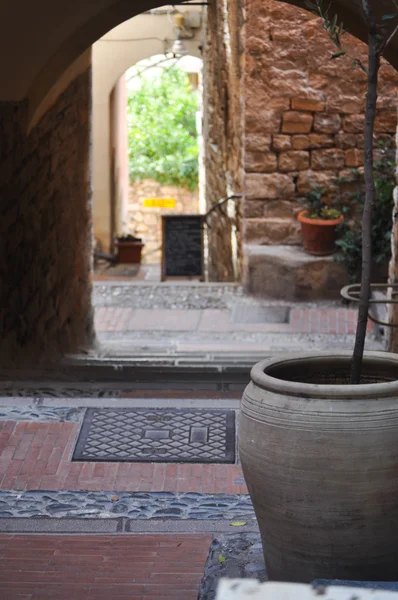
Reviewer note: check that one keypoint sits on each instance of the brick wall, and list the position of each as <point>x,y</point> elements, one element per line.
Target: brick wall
<point>303,115</point>
<point>45,222</point>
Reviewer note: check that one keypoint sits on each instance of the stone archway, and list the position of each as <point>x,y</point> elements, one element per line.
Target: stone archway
<point>45,184</point>
<point>112,56</point>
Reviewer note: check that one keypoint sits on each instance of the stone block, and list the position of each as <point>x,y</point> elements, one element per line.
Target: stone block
<point>354,157</point>
<point>272,231</point>
<point>269,209</point>
<point>263,121</point>
<point>332,158</point>
<point>260,162</point>
<point>289,273</point>
<point>298,160</point>
<point>347,104</point>
<point>386,122</point>
<point>281,143</point>
<point>257,142</point>
<point>307,104</point>
<point>300,142</point>
<point>307,179</point>
<point>273,186</point>
<point>327,123</point>
<point>297,122</point>
<point>353,123</point>
<point>346,140</point>
<point>321,140</point>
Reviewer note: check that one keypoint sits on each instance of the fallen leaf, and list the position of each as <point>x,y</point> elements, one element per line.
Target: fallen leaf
<point>221,558</point>
<point>238,523</point>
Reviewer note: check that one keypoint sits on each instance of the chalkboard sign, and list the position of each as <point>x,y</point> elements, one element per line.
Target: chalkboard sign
<point>182,251</point>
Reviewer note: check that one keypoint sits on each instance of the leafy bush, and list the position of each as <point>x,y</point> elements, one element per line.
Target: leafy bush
<point>349,242</point>
<point>162,137</point>
<point>317,208</point>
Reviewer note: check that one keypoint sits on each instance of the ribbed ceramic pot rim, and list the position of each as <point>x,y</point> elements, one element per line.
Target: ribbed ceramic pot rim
<point>314,390</point>
<point>323,222</point>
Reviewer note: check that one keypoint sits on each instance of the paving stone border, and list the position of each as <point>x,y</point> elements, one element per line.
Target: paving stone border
<point>134,505</point>
<point>168,296</point>
<point>232,556</point>
<point>36,413</point>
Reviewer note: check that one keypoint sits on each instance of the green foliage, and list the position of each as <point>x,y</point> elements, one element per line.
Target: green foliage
<point>317,207</point>
<point>350,240</point>
<point>162,137</point>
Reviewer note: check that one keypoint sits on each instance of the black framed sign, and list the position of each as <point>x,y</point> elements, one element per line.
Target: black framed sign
<point>182,247</point>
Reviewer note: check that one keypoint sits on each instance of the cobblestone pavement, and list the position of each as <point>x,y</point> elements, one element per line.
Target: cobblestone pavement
<point>42,487</point>
<point>235,557</point>
<point>137,505</point>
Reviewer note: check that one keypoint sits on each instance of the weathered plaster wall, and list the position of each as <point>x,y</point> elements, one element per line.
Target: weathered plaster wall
<point>223,135</point>
<point>45,224</point>
<point>146,222</point>
<point>132,41</point>
<point>304,115</point>
<point>119,188</point>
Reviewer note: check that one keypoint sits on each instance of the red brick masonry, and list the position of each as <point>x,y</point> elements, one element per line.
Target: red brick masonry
<point>37,456</point>
<point>133,567</point>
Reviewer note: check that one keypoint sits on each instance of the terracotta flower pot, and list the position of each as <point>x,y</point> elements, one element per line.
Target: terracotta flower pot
<point>320,459</point>
<point>129,252</point>
<point>319,234</point>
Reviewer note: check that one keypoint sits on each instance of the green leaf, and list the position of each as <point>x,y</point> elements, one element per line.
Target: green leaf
<point>162,137</point>
<point>221,558</point>
<point>389,17</point>
<point>238,523</point>
<point>338,54</point>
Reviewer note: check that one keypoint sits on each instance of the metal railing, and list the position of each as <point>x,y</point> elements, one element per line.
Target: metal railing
<point>350,293</point>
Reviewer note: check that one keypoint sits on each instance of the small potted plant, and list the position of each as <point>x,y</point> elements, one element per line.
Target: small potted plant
<point>318,223</point>
<point>129,248</point>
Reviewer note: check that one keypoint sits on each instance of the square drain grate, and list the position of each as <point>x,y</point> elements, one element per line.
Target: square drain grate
<point>164,435</point>
<point>244,313</point>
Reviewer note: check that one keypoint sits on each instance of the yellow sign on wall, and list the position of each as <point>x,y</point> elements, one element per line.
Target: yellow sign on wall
<point>159,203</point>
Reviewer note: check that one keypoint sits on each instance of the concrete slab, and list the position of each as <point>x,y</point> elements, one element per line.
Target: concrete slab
<point>120,525</point>
<point>187,526</point>
<point>165,320</point>
<point>53,525</point>
<point>214,320</point>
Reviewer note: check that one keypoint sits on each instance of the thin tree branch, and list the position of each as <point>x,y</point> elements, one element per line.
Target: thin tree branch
<point>391,37</point>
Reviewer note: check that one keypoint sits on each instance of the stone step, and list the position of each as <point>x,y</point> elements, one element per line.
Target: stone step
<point>290,273</point>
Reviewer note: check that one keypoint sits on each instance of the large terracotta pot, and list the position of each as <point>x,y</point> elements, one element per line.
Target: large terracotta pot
<point>320,459</point>
<point>319,235</point>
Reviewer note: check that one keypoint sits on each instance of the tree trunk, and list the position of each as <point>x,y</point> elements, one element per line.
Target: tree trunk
<point>370,114</point>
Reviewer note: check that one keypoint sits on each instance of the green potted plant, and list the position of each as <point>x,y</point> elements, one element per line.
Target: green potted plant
<point>318,433</point>
<point>129,248</point>
<point>319,221</point>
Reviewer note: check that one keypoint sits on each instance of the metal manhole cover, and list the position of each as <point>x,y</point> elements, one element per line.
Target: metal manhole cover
<point>243,313</point>
<point>142,435</point>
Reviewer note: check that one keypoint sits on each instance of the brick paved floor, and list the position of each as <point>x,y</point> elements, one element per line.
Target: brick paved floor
<point>36,456</point>
<point>134,567</point>
<point>341,321</point>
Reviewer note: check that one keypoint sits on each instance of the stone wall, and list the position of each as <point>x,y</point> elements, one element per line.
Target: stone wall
<point>147,222</point>
<point>45,222</point>
<point>223,135</point>
<point>304,115</point>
